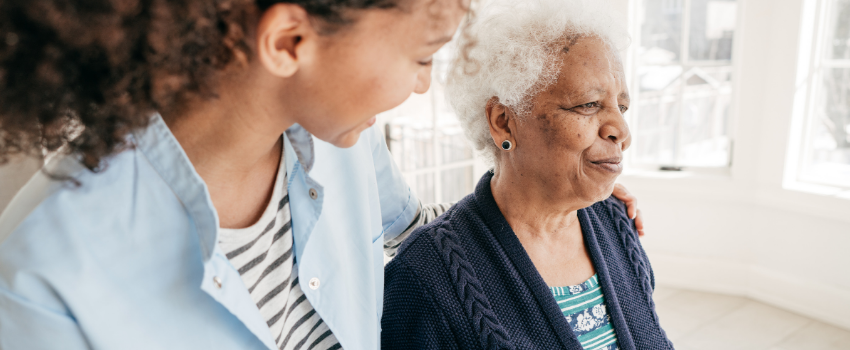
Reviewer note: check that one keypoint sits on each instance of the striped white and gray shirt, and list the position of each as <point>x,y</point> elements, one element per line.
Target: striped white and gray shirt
<point>265,259</point>
<point>425,214</point>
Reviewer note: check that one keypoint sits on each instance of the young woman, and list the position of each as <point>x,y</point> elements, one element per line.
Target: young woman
<point>219,184</point>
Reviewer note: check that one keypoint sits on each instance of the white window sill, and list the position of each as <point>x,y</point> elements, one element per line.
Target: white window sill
<point>817,189</point>
<point>686,173</point>
<point>722,187</point>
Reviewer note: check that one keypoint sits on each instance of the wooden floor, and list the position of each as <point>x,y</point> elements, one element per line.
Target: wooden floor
<point>706,321</point>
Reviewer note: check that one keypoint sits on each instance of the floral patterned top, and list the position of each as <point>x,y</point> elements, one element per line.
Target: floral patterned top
<point>584,307</point>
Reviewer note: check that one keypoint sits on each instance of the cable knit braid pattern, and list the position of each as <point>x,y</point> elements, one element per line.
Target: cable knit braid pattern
<point>464,281</point>
<point>490,332</point>
<point>629,239</point>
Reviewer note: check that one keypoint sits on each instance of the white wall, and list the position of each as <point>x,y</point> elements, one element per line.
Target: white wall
<point>742,232</point>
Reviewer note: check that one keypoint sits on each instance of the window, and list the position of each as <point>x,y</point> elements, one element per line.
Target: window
<point>682,83</point>
<point>428,144</point>
<point>826,143</point>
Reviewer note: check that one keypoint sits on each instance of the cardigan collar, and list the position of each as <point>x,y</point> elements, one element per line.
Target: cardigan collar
<point>506,237</point>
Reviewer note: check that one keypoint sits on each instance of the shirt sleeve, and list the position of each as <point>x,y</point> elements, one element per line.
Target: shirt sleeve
<point>26,325</point>
<point>398,203</point>
<point>424,214</point>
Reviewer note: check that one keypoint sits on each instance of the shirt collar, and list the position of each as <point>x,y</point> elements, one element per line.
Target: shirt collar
<point>300,145</point>
<point>168,158</point>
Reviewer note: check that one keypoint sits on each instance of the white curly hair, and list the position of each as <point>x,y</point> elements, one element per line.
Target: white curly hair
<point>512,51</point>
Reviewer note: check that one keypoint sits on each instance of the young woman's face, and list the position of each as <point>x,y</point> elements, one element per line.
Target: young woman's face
<point>371,66</point>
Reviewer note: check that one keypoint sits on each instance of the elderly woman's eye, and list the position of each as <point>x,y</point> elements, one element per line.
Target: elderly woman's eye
<point>427,62</point>
<point>588,105</point>
<point>589,108</point>
<point>623,108</point>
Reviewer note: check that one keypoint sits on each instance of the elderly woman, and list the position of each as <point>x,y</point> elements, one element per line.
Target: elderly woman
<point>539,256</point>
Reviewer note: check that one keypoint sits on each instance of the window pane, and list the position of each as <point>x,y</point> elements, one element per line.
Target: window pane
<point>657,123</point>
<point>423,185</point>
<point>428,144</point>
<point>840,26</point>
<point>457,183</point>
<point>661,24</point>
<point>712,29</point>
<point>683,102</point>
<point>659,78</point>
<point>704,118</point>
<point>453,146</point>
<point>828,160</point>
<point>411,143</point>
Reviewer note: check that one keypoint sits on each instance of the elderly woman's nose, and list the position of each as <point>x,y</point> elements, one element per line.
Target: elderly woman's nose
<point>616,130</point>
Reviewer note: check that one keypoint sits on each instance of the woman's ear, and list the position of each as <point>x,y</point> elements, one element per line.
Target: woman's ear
<point>284,30</point>
<point>501,121</point>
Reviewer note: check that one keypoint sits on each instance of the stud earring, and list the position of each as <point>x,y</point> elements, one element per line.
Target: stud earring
<point>507,145</point>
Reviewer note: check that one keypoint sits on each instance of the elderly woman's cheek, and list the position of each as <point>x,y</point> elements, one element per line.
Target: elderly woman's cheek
<point>582,132</point>
<point>563,129</point>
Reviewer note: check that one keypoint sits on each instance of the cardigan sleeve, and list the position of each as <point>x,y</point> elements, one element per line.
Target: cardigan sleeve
<point>411,319</point>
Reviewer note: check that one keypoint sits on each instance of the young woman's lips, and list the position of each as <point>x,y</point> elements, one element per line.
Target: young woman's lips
<point>610,165</point>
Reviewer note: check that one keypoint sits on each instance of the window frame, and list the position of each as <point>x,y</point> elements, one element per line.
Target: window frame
<point>687,64</point>
<point>760,175</point>
<point>813,62</point>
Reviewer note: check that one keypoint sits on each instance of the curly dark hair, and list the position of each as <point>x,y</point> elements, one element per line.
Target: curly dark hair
<point>77,76</point>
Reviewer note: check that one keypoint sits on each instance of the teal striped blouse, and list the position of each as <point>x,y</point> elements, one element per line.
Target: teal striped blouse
<point>584,307</point>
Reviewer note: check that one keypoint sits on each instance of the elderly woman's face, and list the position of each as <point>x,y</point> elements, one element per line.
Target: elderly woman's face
<point>574,138</point>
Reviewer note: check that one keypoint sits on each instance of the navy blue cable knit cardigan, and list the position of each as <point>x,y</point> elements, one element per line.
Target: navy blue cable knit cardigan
<point>464,281</point>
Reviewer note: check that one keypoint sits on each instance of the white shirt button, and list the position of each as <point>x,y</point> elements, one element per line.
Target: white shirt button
<point>313,193</point>
<point>217,282</point>
<point>314,283</point>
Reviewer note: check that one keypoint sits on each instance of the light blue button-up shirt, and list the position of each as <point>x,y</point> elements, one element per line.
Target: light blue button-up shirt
<point>129,258</point>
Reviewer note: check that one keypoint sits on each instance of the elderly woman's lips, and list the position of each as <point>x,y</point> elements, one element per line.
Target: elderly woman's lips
<point>612,165</point>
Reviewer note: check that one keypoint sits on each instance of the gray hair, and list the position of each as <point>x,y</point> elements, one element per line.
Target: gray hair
<point>512,54</point>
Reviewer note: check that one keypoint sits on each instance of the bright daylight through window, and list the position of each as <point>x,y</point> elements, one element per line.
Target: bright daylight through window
<point>683,83</point>
<point>428,144</point>
<point>826,153</point>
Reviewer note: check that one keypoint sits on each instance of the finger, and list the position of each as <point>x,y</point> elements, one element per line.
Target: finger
<point>627,198</point>
<point>639,224</point>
